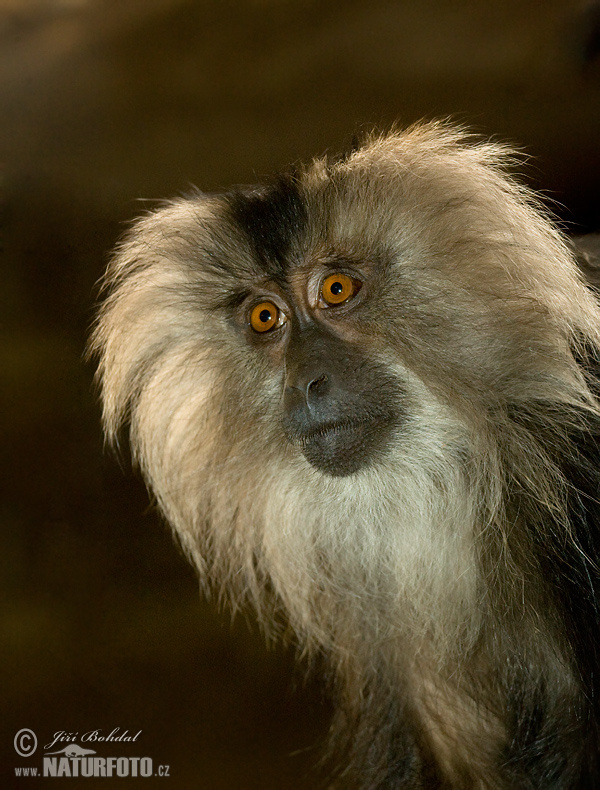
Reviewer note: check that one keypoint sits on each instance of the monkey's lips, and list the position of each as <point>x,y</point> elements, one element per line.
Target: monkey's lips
<point>344,447</point>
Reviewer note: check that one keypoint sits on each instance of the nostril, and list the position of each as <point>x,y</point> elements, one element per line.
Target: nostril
<point>317,386</point>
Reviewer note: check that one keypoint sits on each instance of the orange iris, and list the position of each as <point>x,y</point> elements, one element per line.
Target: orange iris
<point>338,288</point>
<point>264,316</point>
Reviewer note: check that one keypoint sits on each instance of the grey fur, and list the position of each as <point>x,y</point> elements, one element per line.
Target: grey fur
<point>412,574</point>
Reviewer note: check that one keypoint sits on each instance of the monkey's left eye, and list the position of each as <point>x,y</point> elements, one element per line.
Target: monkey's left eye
<point>338,288</point>
<point>265,316</point>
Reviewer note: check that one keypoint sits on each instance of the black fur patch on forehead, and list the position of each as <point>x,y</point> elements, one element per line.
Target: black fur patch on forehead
<point>272,218</point>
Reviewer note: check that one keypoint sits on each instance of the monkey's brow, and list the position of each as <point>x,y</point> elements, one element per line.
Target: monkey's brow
<point>232,300</point>
<point>272,217</point>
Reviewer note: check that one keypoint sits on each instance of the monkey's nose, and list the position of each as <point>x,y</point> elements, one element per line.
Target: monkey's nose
<point>305,394</point>
<point>317,388</point>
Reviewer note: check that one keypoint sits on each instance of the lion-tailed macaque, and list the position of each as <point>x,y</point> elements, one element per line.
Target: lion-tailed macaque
<point>363,395</point>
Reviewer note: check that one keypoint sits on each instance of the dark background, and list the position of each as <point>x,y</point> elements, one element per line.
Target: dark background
<point>105,102</point>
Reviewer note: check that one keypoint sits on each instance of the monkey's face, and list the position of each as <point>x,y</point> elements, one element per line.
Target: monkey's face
<point>347,311</point>
<point>339,407</point>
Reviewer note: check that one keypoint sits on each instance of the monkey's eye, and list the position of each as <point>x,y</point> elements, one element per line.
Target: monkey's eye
<point>265,316</point>
<point>338,288</point>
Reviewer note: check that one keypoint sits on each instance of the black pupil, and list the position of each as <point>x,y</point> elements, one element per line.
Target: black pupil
<point>336,288</point>
<point>265,316</point>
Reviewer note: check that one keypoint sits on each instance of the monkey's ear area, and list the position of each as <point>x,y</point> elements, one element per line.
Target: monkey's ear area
<point>159,277</point>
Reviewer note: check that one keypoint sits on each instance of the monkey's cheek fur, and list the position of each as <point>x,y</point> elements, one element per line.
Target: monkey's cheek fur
<point>341,449</point>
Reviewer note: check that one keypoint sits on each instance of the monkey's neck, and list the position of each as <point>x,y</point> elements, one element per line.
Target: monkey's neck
<point>471,715</point>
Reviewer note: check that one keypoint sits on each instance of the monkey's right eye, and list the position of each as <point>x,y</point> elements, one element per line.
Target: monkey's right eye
<point>265,316</point>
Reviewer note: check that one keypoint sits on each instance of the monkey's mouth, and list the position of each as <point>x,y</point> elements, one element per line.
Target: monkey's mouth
<point>343,447</point>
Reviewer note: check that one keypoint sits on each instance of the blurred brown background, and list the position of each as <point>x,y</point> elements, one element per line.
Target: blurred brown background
<point>105,102</point>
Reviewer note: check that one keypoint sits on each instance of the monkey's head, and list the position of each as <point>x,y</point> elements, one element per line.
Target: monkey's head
<point>318,361</point>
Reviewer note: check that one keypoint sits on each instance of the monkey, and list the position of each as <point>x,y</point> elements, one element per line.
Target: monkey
<point>364,395</point>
